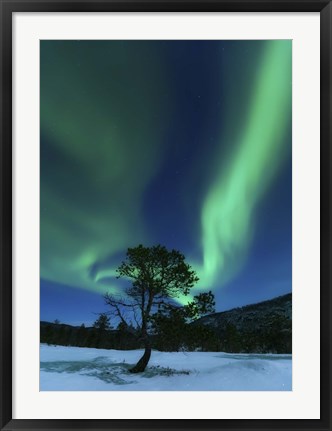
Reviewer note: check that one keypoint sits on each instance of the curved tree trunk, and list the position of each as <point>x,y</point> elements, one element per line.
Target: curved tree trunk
<point>143,362</point>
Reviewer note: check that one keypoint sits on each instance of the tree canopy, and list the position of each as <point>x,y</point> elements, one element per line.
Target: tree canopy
<point>103,322</point>
<point>158,278</point>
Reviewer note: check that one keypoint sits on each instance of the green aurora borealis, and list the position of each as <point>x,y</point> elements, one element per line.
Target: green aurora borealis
<point>227,213</point>
<point>107,131</point>
<point>113,115</point>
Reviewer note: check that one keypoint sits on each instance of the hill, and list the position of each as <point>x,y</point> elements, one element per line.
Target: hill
<point>262,327</point>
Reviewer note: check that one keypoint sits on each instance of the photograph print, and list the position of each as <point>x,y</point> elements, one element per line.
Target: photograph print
<point>165,215</point>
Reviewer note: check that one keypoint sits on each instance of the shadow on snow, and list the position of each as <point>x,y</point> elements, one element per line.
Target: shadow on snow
<point>117,373</point>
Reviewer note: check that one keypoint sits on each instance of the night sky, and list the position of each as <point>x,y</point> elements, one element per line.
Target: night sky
<point>181,143</point>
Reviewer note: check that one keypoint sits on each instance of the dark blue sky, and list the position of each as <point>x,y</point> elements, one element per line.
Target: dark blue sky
<point>182,143</point>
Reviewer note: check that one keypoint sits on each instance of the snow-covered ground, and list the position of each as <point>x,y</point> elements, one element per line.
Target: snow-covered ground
<point>84,369</point>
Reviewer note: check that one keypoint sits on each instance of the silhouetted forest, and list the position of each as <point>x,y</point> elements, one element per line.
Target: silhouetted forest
<point>265,327</point>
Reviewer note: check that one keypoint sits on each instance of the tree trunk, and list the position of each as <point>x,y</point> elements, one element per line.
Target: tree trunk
<point>143,362</point>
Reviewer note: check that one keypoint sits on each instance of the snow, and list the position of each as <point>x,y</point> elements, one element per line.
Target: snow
<point>86,369</point>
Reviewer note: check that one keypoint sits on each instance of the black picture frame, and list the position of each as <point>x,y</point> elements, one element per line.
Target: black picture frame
<point>8,7</point>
